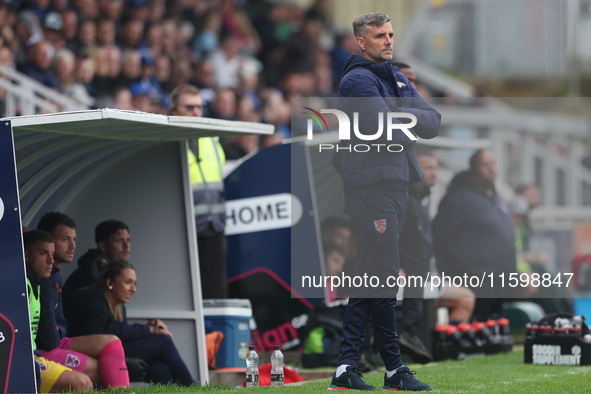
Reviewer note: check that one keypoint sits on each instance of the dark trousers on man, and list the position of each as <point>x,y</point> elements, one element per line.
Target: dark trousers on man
<point>377,214</point>
<point>212,265</point>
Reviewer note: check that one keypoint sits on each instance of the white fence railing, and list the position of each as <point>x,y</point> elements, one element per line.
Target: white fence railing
<point>25,96</point>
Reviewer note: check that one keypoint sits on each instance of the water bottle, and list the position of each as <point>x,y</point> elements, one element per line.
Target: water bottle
<point>252,368</point>
<point>277,368</point>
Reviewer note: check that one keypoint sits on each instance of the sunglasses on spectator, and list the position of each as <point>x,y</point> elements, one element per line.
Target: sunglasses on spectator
<point>191,107</point>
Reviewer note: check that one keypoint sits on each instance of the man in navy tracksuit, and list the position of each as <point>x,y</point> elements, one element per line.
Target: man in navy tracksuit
<point>376,195</point>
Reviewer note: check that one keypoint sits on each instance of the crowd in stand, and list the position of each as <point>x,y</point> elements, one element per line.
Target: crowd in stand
<point>129,54</point>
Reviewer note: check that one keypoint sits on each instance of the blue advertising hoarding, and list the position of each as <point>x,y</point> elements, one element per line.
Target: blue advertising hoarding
<point>16,352</point>
<point>264,214</point>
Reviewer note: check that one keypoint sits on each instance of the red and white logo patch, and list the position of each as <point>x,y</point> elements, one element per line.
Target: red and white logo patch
<point>42,366</point>
<point>72,361</point>
<point>380,225</point>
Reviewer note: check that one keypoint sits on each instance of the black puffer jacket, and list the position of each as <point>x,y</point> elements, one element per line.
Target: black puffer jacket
<point>472,232</point>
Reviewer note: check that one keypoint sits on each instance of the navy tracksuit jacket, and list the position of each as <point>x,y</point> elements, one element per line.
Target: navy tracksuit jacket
<point>376,197</point>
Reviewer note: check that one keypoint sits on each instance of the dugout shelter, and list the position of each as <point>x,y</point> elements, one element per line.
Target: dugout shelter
<point>96,165</point>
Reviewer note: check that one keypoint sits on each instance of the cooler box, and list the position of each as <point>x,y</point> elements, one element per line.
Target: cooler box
<point>232,318</point>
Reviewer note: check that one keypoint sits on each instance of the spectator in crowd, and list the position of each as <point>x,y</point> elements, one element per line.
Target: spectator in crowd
<point>527,197</point>
<point>6,60</point>
<point>206,40</point>
<point>246,111</point>
<point>182,70</point>
<point>155,11</point>
<point>64,64</point>
<point>323,82</point>
<point>204,79</point>
<point>131,68</point>
<point>87,9</point>
<point>551,299</point>
<point>162,72</point>
<point>105,32</point>
<point>236,22</point>
<point>101,357</point>
<point>140,97</point>
<point>184,32</point>
<point>300,49</point>
<point>28,32</point>
<point>38,65</point>
<point>206,158</point>
<point>53,376</point>
<point>123,99</point>
<point>345,46</point>
<point>226,61</point>
<point>70,28</point>
<point>154,38</point>
<point>410,74</point>
<point>241,145</point>
<point>132,33</point>
<point>276,111</point>
<point>112,9</point>
<point>99,311</point>
<point>249,81</point>
<point>107,61</point>
<point>519,208</point>
<point>52,30</point>
<point>473,232</point>
<point>169,29</point>
<point>337,230</point>
<point>87,36</point>
<point>416,250</point>
<point>270,140</point>
<point>224,105</point>
<point>113,243</point>
<point>85,74</point>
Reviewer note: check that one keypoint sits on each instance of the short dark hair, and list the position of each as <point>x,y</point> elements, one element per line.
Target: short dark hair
<point>400,65</point>
<point>51,220</point>
<point>474,158</point>
<point>32,237</point>
<point>362,23</point>
<point>333,222</point>
<point>427,153</point>
<point>181,89</point>
<point>104,230</point>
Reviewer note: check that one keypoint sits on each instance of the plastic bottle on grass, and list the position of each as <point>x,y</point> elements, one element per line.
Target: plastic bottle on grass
<point>252,368</point>
<point>277,367</point>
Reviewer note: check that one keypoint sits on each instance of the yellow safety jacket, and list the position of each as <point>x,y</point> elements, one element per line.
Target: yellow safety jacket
<point>208,184</point>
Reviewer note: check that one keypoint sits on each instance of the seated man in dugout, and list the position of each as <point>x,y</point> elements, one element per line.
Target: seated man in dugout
<point>101,357</point>
<point>113,244</point>
<point>53,377</point>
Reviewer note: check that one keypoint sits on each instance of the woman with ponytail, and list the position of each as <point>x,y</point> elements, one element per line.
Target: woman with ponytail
<point>102,310</point>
